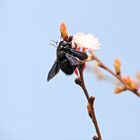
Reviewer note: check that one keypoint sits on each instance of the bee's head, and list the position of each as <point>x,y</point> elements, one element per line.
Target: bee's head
<point>63,45</point>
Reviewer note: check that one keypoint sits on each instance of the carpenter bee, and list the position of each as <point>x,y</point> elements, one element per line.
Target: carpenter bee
<point>66,59</point>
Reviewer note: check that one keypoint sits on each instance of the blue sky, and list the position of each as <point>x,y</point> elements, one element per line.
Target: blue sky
<point>31,108</point>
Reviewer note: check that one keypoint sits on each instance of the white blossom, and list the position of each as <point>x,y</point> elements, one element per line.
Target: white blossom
<point>85,41</point>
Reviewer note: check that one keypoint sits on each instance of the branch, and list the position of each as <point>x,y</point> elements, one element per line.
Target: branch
<point>119,77</point>
<point>90,105</point>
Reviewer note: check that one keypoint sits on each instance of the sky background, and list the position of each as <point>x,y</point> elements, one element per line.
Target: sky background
<point>32,108</point>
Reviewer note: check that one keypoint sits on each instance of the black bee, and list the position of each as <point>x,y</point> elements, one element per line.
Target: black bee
<point>67,59</point>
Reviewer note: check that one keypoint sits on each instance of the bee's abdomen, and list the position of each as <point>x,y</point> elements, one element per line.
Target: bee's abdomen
<point>66,67</point>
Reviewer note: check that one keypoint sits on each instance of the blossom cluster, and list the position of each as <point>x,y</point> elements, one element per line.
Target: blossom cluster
<point>80,40</point>
<point>88,43</point>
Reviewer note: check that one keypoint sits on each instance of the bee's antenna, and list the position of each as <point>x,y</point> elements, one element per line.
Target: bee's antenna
<point>55,43</point>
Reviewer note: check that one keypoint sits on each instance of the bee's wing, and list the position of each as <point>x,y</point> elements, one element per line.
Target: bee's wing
<point>80,55</point>
<point>73,60</point>
<point>54,70</point>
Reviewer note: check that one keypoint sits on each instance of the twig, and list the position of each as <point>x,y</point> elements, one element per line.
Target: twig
<point>102,65</point>
<point>90,106</point>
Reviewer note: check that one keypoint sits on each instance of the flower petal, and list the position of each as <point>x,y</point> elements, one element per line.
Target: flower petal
<point>87,41</point>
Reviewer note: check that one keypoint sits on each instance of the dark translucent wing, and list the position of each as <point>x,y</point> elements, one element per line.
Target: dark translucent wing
<point>54,70</point>
<point>73,61</point>
<point>80,55</point>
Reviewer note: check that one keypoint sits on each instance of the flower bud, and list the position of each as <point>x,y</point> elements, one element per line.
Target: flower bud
<point>138,89</point>
<point>130,83</point>
<point>63,31</point>
<point>120,89</point>
<point>117,65</point>
<point>89,110</point>
<point>78,81</point>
